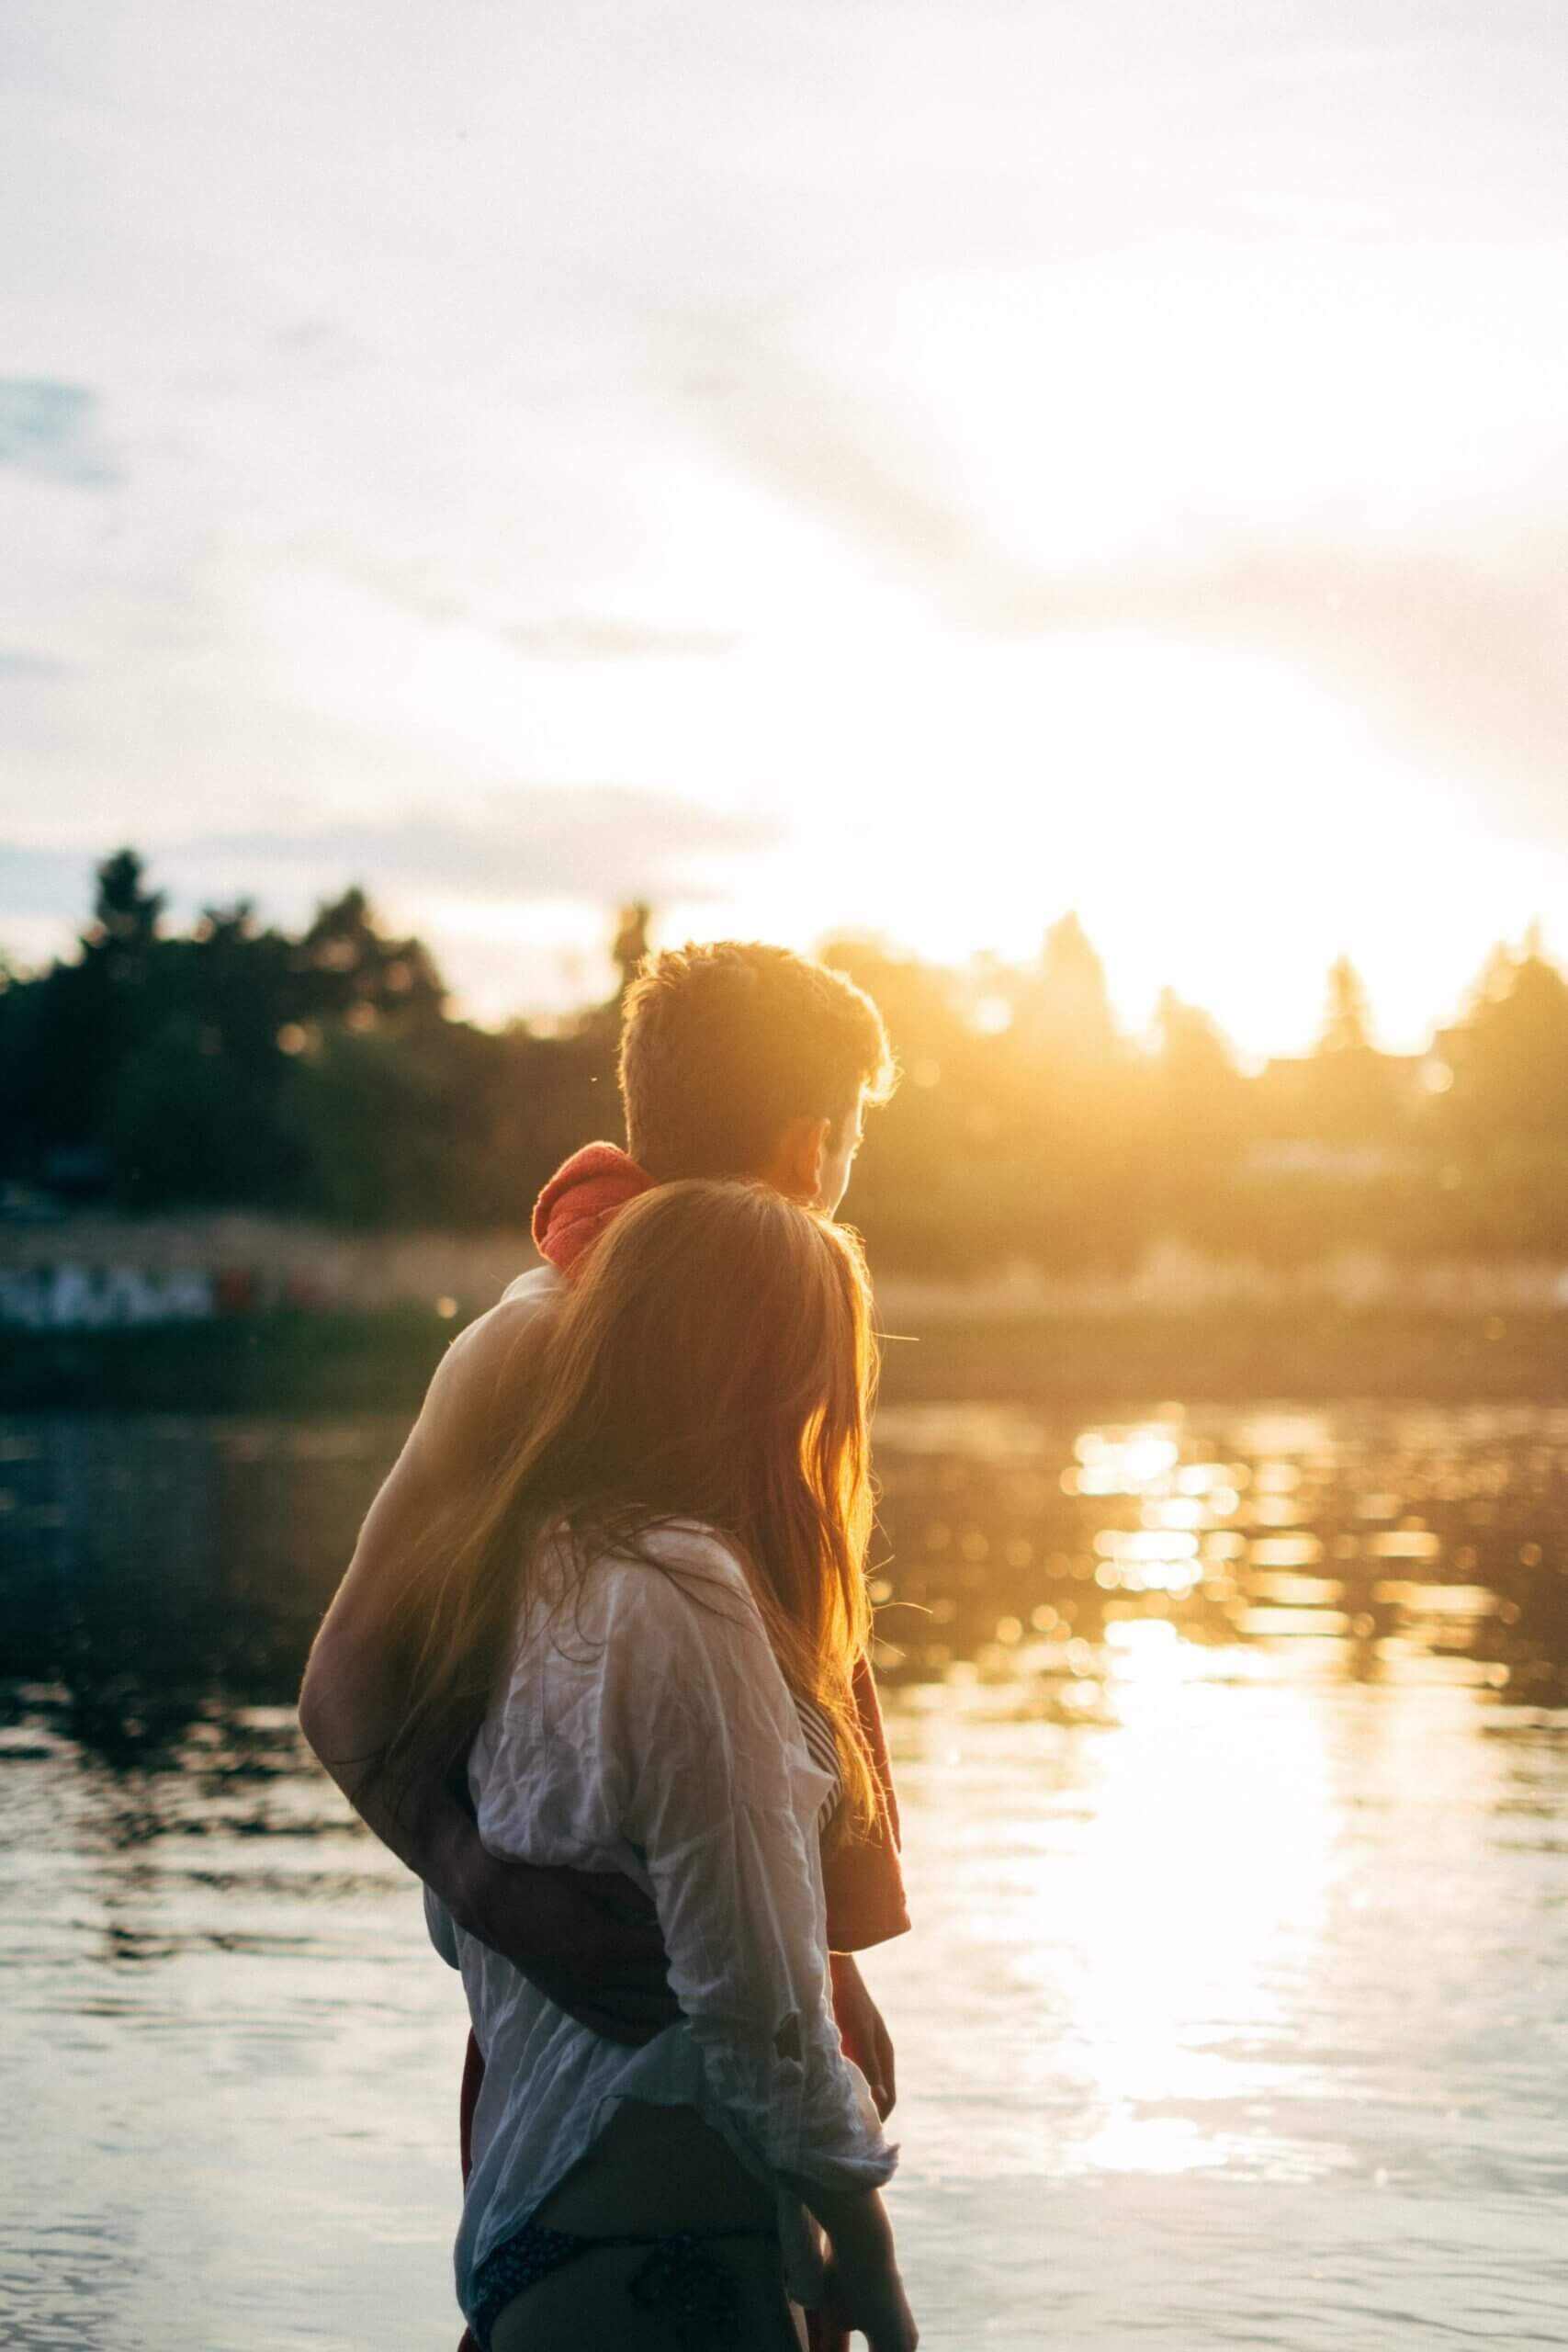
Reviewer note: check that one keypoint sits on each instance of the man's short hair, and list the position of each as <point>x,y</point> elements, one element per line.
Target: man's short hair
<point>725,1045</point>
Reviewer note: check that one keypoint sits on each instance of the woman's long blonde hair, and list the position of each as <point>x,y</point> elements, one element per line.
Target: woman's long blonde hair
<point>713,1362</point>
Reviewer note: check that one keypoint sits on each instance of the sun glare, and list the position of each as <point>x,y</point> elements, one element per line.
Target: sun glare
<point>1201,808</point>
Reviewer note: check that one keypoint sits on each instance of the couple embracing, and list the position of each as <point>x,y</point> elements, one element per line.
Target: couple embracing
<point>598,1672</point>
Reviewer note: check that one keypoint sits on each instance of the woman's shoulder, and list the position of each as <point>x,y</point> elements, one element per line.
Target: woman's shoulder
<point>667,1608</point>
<point>662,1627</point>
<point>678,1583</point>
<point>674,1558</point>
<point>690,1547</point>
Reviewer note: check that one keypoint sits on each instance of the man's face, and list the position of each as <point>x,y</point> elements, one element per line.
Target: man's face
<point>838,1157</point>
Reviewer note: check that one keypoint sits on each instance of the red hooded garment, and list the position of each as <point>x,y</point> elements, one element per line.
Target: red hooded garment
<point>862,1879</point>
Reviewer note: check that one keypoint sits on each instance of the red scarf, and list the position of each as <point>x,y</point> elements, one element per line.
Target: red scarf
<point>579,1200</point>
<point>862,1881</point>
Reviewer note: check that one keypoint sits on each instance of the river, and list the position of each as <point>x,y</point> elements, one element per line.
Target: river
<point>1233,1749</point>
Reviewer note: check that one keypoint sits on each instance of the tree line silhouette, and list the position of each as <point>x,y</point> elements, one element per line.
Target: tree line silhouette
<point>322,1074</point>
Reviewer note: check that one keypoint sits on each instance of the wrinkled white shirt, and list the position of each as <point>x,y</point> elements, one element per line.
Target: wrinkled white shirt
<point>646,1728</point>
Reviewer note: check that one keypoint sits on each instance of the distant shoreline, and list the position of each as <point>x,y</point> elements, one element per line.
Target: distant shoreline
<point>291,1359</point>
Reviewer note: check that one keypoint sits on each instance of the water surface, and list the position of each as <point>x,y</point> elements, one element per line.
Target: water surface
<point>1234,1758</point>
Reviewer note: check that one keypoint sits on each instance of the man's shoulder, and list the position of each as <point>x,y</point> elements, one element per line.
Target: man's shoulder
<point>481,1359</point>
<point>500,1326</point>
<point>532,1288</point>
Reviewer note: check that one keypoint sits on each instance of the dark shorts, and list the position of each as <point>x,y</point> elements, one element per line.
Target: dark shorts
<point>678,2279</point>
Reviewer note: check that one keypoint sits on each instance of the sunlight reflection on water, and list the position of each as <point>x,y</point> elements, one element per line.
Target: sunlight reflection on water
<point>1237,2010</point>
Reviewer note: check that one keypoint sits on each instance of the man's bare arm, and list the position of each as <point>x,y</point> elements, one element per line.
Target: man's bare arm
<point>863,2030</point>
<point>590,1943</point>
<point>356,1691</point>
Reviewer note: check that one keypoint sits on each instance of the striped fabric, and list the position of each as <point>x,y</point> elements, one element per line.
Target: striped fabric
<point>823,1750</point>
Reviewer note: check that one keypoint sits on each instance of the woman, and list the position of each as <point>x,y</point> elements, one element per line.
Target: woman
<point>657,1605</point>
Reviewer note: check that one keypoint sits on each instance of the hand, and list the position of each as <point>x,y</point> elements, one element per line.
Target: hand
<point>876,2307</point>
<point>588,1939</point>
<point>862,2292</point>
<point>865,2037</point>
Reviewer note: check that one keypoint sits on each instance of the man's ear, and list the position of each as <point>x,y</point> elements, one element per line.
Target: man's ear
<point>795,1166</point>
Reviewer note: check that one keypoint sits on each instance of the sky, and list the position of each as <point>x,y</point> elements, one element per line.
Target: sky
<point>903,470</point>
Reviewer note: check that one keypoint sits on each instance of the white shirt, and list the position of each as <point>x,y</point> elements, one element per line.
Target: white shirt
<point>645,1727</point>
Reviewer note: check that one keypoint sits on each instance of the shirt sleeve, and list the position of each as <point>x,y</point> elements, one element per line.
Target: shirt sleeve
<point>715,1780</point>
<point>674,1726</point>
<point>442,1928</point>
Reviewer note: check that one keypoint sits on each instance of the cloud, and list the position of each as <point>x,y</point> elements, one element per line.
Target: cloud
<point>601,842</point>
<point>15,663</point>
<point>419,589</point>
<point>595,638</point>
<point>1462,652</point>
<point>306,337</point>
<point>1456,648</point>
<point>835,456</point>
<point>560,637</point>
<point>52,431</point>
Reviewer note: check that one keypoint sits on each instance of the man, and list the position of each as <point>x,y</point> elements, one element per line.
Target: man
<point>736,1060</point>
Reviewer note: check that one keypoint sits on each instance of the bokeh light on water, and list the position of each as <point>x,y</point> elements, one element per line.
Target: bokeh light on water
<point>1234,1768</point>
<point>1381,1547</point>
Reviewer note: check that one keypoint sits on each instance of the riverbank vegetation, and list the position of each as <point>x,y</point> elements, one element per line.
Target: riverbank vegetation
<point>323,1074</point>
